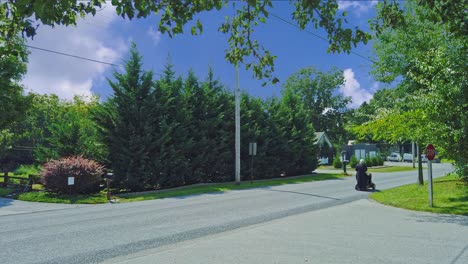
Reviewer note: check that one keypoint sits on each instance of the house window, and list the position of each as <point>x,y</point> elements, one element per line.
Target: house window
<point>360,153</point>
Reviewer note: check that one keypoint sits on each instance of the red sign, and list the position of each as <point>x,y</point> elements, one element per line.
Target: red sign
<point>430,152</point>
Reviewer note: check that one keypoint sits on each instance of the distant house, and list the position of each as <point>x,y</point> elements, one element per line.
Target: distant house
<point>360,150</point>
<point>325,147</point>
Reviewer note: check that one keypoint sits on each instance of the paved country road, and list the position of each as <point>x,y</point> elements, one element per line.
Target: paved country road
<point>90,234</point>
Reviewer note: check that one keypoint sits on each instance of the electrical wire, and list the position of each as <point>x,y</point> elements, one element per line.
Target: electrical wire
<point>315,35</point>
<point>71,55</point>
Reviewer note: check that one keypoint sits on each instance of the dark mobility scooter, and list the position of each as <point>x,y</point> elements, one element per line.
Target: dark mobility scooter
<point>364,182</point>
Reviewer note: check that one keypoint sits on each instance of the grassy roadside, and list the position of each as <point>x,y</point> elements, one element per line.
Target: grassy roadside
<point>224,187</point>
<point>183,191</point>
<point>391,169</point>
<point>373,169</point>
<point>450,196</point>
<point>5,191</point>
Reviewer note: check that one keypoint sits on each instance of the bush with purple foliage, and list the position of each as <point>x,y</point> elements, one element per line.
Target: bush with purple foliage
<point>87,175</point>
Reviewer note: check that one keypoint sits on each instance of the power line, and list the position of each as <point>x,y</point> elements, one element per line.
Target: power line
<point>315,35</point>
<point>79,57</point>
<point>73,56</point>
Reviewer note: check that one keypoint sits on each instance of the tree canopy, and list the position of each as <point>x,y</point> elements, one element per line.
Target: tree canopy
<point>26,15</point>
<point>426,56</point>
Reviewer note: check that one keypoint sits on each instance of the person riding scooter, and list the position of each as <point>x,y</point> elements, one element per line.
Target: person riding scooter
<point>364,180</point>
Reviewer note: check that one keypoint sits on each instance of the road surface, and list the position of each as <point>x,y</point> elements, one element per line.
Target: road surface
<point>110,232</point>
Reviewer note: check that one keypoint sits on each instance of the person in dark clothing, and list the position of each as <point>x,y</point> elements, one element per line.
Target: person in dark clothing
<point>361,176</point>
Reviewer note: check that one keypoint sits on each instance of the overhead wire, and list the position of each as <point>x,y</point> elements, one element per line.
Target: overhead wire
<point>120,66</point>
<point>71,55</point>
<point>314,34</point>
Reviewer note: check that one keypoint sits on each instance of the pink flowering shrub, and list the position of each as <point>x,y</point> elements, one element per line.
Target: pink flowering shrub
<point>87,173</point>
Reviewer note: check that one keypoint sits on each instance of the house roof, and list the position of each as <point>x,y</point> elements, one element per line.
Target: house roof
<point>322,138</point>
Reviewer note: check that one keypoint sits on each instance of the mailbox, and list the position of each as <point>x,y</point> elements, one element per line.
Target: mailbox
<point>109,176</point>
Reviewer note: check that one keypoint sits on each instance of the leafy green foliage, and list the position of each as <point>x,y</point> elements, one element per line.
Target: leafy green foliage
<point>13,60</point>
<point>175,131</point>
<point>337,162</point>
<point>318,93</point>
<point>54,128</point>
<point>129,136</point>
<point>379,160</point>
<point>27,170</point>
<point>432,68</point>
<point>353,162</point>
<point>87,175</point>
<point>368,161</point>
<point>174,16</point>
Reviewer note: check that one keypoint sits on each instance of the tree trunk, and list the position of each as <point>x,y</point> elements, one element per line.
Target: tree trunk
<point>420,169</point>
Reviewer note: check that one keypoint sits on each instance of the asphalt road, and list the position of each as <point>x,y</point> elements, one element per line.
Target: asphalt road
<point>90,234</point>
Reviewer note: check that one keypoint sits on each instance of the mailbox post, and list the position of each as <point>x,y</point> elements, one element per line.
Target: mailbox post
<point>343,158</point>
<point>109,176</point>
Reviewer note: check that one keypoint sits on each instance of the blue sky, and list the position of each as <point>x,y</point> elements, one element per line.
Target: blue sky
<point>107,37</point>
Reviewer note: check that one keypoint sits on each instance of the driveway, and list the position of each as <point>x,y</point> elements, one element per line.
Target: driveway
<point>363,232</point>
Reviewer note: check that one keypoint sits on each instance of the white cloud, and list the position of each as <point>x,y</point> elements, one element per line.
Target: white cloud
<point>358,7</point>
<point>155,35</point>
<point>67,76</point>
<point>352,88</point>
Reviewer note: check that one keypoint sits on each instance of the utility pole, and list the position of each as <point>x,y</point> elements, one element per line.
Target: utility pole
<point>237,95</point>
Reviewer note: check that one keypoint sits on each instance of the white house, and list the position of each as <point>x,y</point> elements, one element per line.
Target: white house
<point>323,141</point>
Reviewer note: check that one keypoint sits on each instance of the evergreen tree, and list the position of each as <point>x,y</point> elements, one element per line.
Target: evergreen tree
<point>130,134</point>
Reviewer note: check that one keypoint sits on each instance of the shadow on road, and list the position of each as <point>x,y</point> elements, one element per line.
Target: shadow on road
<point>442,218</point>
<point>320,196</point>
<point>5,202</point>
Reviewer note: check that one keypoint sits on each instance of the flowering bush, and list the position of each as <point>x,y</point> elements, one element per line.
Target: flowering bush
<point>87,173</point>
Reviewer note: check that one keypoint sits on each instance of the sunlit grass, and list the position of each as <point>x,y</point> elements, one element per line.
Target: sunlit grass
<point>392,169</point>
<point>41,196</point>
<point>224,187</point>
<point>47,197</point>
<point>5,191</point>
<point>450,196</point>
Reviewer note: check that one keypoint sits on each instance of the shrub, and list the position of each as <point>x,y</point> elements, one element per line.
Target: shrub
<point>380,161</point>
<point>337,162</point>
<point>87,175</point>
<point>27,170</point>
<point>368,161</point>
<point>374,161</point>
<point>353,162</point>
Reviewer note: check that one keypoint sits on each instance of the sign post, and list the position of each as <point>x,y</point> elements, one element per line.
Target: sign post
<point>71,181</point>
<point>343,158</point>
<point>430,154</point>
<point>252,152</point>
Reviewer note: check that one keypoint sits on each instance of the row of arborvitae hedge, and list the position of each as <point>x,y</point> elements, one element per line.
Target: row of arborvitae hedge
<point>370,162</point>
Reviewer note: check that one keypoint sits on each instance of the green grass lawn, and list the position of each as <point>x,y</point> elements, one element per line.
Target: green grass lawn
<point>5,191</point>
<point>450,196</point>
<point>47,197</point>
<point>184,191</point>
<point>224,187</point>
<point>372,169</point>
<point>392,169</point>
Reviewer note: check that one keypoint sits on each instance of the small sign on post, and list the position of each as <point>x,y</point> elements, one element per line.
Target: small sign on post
<point>252,152</point>
<point>253,149</point>
<point>430,154</point>
<point>71,180</point>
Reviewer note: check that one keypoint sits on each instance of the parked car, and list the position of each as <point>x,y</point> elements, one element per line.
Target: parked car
<point>407,157</point>
<point>394,157</point>
<point>424,159</point>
